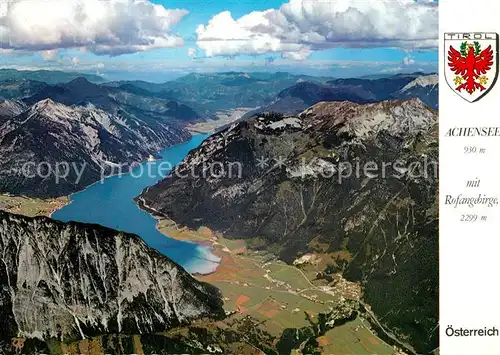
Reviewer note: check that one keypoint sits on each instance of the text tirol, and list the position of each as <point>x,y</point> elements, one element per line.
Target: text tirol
<point>469,36</point>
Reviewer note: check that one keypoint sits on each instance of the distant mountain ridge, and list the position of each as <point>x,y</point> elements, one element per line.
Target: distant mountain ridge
<point>298,97</point>
<point>425,87</point>
<point>19,89</point>
<point>47,76</point>
<point>202,95</point>
<point>80,92</point>
<point>208,93</point>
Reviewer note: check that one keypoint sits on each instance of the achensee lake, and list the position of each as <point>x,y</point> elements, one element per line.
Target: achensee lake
<point>110,203</point>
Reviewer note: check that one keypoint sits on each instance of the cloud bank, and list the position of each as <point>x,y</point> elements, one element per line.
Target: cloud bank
<point>301,26</point>
<point>110,27</point>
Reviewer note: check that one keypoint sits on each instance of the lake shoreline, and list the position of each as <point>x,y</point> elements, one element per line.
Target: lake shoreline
<point>141,204</point>
<point>115,202</point>
<point>143,161</point>
<point>204,237</point>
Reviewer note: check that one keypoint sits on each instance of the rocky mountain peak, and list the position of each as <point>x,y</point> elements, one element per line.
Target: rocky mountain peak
<point>398,117</point>
<point>72,280</point>
<point>423,81</point>
<point>52,110</point>
<point>363,120</point>
<point>77,133</point>
<point>44,104</point>
<point>80,81</point>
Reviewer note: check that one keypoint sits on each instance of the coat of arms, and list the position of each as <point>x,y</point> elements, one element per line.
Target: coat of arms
<point>471,66</point>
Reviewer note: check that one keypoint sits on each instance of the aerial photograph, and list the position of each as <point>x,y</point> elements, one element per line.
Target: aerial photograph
<point>219,177</point>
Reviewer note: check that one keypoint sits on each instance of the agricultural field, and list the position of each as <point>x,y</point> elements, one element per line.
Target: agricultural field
<point>31,207</point>
<point>280,296</point>
<point>223,118</point>
<point>352,338</point>
<point>271,308</point>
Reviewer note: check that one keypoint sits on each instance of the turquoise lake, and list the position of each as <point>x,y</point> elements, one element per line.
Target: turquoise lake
<point>110,203</point>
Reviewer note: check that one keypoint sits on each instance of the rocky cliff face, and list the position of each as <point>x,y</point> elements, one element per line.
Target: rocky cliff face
<point>355,181</point>
<point>71,146</point>
<point>10,108</point>
<point>73,280</point>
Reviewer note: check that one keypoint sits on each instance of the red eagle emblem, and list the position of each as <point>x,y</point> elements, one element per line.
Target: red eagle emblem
<point>470,64</point>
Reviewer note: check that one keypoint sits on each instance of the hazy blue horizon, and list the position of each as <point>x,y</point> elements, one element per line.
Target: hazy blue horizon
<point>169,75</point>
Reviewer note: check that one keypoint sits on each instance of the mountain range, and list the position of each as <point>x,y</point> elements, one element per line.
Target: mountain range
<point>210,93</point>
<point>201,96</point>
<point>81,92</point>
<point>67,281</point>
<point>295,195</point>
<point>298,97</point>
<point>91,141</point>
<point>282,92</point>
<point>19,89</point>
<point>46,76</point>
<point>304,189</point>
<point>122,122</point>
<point>425,87</point>
<point>82,124</point>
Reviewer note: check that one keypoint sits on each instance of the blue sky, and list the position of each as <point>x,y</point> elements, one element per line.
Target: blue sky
<point>326,58</point>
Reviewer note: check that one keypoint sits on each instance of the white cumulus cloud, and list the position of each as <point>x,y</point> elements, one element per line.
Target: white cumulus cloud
<point>408,60</point>
<point>192,52</point>
<point>103,27</point>
<point>301,26</point>
<point>48,54</point>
